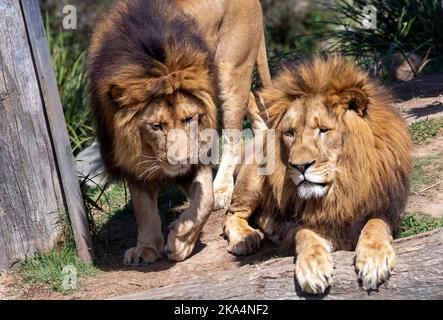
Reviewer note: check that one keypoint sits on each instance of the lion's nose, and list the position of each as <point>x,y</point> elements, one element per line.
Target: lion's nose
<point>303,167</point>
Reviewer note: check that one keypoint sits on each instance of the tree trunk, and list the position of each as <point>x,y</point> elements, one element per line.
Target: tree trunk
<point>31,200</point>
<point>419,275</point>
<point>38,184</point>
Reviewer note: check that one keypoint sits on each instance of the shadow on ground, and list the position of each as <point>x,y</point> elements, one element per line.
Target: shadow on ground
<point>210,253</point>
<point>424,87</point>
<point>424,111</point>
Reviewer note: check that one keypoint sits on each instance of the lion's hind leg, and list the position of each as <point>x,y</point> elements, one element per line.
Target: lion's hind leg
<point>254,115</point>
<point>374,257</point>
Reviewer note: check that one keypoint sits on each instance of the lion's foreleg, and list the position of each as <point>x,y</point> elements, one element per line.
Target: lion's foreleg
<point>242,238</point>
<point>314,265</point>
<point>374,257</point>
<point>150,242</point>
<point>186,230</point>
<point>248,193</point>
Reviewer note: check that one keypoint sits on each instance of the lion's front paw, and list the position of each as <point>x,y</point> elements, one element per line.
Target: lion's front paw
<point>143,254</point>
<point>374,262</point>
<point>181,241</point>
<point>222,199</point>
<point>248,243</point>
<point>223,193</point>
<point>242,238</point>
<point>314,271</point>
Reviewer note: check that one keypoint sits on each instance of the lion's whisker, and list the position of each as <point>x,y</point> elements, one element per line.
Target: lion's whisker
<point>153,166</point>
<point>147,157</point>
<point>151,173</point>
<point>336,168</point>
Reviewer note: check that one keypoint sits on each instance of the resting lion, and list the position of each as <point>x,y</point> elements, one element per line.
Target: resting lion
<point>157,66</point>
<point>341,179</point>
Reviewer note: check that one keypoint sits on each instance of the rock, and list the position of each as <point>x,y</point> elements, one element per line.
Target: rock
<point>89,165</point>
<point>405,68</point>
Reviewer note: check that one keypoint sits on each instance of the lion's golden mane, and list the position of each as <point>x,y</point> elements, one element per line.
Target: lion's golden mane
<point>376,162</point>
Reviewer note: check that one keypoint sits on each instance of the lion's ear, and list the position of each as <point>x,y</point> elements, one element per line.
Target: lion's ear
<point>355,100</point>
<point>123,94</point>
<point>116,92</point>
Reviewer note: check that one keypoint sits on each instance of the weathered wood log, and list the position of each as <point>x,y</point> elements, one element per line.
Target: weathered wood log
<point>38,184</point>
<point>31,199</point>
<point>419,275</point>
<point>57,127</point>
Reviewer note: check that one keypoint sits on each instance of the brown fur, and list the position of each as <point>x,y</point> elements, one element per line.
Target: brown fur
<point>362,157</point>
<point>159,65</point>
<point>126,86</point>
<point>376,163</point>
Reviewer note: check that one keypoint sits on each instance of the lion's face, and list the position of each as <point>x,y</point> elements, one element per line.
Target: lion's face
<point>158,137</point>
<point>165,126</point>
<point>312,142</point>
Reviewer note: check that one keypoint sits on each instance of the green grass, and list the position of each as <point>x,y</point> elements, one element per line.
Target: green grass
<point>423,130</point>
<point>113,203</point>
<point>47,268</point>
<point>110,199</point>
<point>427,171</point>
<point>413,224</point>
<point>69,64</point>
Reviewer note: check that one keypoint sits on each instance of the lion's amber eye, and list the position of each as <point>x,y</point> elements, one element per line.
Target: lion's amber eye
<point>323,130</point>
<point>189,119</point>
<point>157,126</point>
<point>289,133</point>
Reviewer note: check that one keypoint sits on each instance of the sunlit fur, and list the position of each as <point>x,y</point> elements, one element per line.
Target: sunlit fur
<point>364,162</point>
<point>148,63</point>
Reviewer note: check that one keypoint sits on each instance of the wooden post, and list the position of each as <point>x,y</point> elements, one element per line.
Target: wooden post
<point>38,182</point>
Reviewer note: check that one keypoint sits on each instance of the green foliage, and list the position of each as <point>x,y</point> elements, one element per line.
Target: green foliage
<point>294,29</point>
<point>415,224</point>
<point>405,26</point>
<point>112,202</point>
<point>104,204</point>
<point>421,131</point>
<point>294,26</point>
<point>69,64</point>
<point>47,268</point>
<point>427,171</point>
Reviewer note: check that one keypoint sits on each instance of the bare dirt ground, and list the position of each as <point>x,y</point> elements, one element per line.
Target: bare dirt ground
<point>430,201</point>
<point>420,99</point>
<point>416,99</point>
<point>115,280</point>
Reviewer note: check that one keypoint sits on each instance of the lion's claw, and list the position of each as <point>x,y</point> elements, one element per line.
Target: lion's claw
<point>141,255</point>
<point>374,263</point>
<point>314,272</point>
